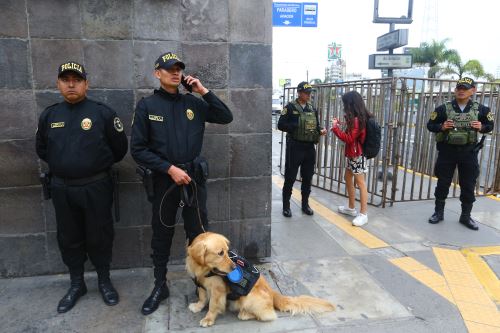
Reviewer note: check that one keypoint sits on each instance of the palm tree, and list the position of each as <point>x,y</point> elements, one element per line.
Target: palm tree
<point>316,81</point>
<point>432,54</point>
<point>472,67</point>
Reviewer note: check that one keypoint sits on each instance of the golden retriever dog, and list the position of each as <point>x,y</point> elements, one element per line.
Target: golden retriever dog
<point>209,253</point>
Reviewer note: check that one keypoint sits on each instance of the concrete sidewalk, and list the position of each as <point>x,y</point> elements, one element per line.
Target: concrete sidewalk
<point>316,255</point>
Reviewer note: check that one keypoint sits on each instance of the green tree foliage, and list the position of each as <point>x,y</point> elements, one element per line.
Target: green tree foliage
<point>434,54</point>
<point>472,67</point>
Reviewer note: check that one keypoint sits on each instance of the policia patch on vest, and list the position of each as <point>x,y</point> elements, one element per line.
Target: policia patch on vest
<point>433,115</point>
<point>118,124</point>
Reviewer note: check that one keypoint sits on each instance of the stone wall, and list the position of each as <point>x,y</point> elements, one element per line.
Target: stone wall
<point>226,43</point>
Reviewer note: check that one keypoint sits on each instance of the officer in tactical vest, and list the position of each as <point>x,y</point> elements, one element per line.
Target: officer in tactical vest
<point>300,121</point>
<point>456,125</point>
<point>80,140</point>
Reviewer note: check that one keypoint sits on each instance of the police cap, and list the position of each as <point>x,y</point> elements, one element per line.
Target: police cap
<point>74,67</point>
<point>304,86</point>
<point>466,82</point>
<point>167,60</point>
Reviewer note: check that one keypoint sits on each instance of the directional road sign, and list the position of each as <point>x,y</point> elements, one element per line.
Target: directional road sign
<point>295,14</point>
<point>381,61</point>
<point>392,40</point>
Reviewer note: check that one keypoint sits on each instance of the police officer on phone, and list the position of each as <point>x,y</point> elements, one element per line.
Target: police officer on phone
<point>167,137</point>
<point>456,124</point>
<point>300,120</point>
<point>81,139</point>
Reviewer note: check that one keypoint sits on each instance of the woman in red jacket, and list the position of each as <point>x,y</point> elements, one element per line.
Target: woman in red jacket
<point>356,116</point>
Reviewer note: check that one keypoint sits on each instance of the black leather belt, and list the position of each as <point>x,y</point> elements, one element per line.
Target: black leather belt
<point>80,181</point>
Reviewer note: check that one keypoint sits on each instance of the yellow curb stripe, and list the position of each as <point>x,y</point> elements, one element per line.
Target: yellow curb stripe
<point>494,197</point>
<point>361,235</point>
<point>469,296</point>
<point>483,271</point>
<point>480,328</point>
<point>424,275</point>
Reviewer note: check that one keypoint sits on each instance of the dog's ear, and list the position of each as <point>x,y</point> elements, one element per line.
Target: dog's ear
<point>228,243</point>
<point>197,252</point>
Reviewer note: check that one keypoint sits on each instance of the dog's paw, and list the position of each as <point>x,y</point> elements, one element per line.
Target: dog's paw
<point>206,322</point>
<point>196,307</point>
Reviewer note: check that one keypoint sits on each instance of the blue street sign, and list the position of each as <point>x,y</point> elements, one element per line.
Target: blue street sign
<point>310,14</point>
<point>287,14</point>
<point>295,14</point>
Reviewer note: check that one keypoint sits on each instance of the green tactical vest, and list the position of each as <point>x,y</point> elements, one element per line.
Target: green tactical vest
<point>463,133</point>
<point>307,131</point>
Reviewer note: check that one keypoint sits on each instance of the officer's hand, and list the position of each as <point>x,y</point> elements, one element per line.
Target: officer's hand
<point>447,125</point>
<point>476,125</point>
<point>196,84</point>
<point>322,132</point>
<point>179,176</point>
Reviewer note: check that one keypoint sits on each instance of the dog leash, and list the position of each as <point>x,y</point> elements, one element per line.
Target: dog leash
<point>185,200</point>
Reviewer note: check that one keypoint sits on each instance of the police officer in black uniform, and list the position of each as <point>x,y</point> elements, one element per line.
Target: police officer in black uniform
<point>80,139</point>
<point>456,125</point>
<point>300,121</point>
<point>167,137</point>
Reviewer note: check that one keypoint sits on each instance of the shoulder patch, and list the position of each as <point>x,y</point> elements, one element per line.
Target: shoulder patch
<point>284,111</point>
<point>489,116</point>
<point>118,124</point>
<point>433,115</point>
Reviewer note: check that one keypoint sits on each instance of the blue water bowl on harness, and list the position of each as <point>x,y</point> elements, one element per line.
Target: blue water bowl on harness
<point>235,275</point>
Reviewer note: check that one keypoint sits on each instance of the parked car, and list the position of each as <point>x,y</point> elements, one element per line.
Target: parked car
<point>277,105</point>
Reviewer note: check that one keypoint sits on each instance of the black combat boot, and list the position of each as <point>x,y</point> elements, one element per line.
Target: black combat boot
<point>305,204</point>
<point>287,212</point>
<point>76,290</point>
<point>108,292</point>
<point>438,212</point>
<point>160,292</point>
<point>466,219</point>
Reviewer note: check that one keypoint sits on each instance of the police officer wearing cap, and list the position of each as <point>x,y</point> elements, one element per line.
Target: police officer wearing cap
<point>167,137</point>
<point>300,120</point>
<point>81,139</point>
<point>456,124</point>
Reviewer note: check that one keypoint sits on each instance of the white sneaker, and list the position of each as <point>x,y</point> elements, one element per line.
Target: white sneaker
<point>360,220</point>
<point>348,211</point>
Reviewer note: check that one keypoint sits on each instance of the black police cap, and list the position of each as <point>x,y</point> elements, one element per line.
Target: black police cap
<point>466,82</point>
<point>304,86</point>
<point>167,60</point>
<point>74,67</point>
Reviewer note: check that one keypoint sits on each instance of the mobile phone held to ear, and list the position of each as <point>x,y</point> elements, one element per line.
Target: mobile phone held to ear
<point>186,85</point>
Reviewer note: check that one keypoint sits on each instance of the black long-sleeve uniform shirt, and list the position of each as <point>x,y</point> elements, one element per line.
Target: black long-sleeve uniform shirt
<point>80,140</point>
<point>168,128</point>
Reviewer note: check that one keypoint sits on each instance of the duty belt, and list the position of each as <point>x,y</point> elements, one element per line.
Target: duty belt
<point>80,181</point>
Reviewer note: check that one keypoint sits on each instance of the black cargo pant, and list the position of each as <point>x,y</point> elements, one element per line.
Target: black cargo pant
<point>463,158</point>
<point>303,155</point>
<point>84,223</point>
<point>194,217</point>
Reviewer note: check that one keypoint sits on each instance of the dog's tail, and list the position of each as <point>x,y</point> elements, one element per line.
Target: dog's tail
<point>301,304</point>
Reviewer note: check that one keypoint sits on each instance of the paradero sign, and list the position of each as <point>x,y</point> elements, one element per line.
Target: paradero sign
<point>295,14</point>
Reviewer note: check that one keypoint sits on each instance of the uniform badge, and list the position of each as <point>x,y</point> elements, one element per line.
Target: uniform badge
<point>57,125</point>
<point>155,118</point>
<point>118,124</point>
<point>489,116</point>
<point>189,114</point>
<point>433,115</point>
<point>284,111</point>
<point>86,124</point>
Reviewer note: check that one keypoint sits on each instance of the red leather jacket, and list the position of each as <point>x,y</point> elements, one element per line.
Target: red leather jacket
<point>353,139</point>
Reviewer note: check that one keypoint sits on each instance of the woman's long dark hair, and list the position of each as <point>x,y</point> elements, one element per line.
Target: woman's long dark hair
<point>354,106</point>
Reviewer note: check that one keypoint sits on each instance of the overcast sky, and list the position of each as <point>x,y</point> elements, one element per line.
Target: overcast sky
<point>471,26</point>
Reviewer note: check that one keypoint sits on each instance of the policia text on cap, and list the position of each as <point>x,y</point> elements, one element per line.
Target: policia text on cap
<point>456,124</point>
<point>167,137</point>
<point>80,139</point>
